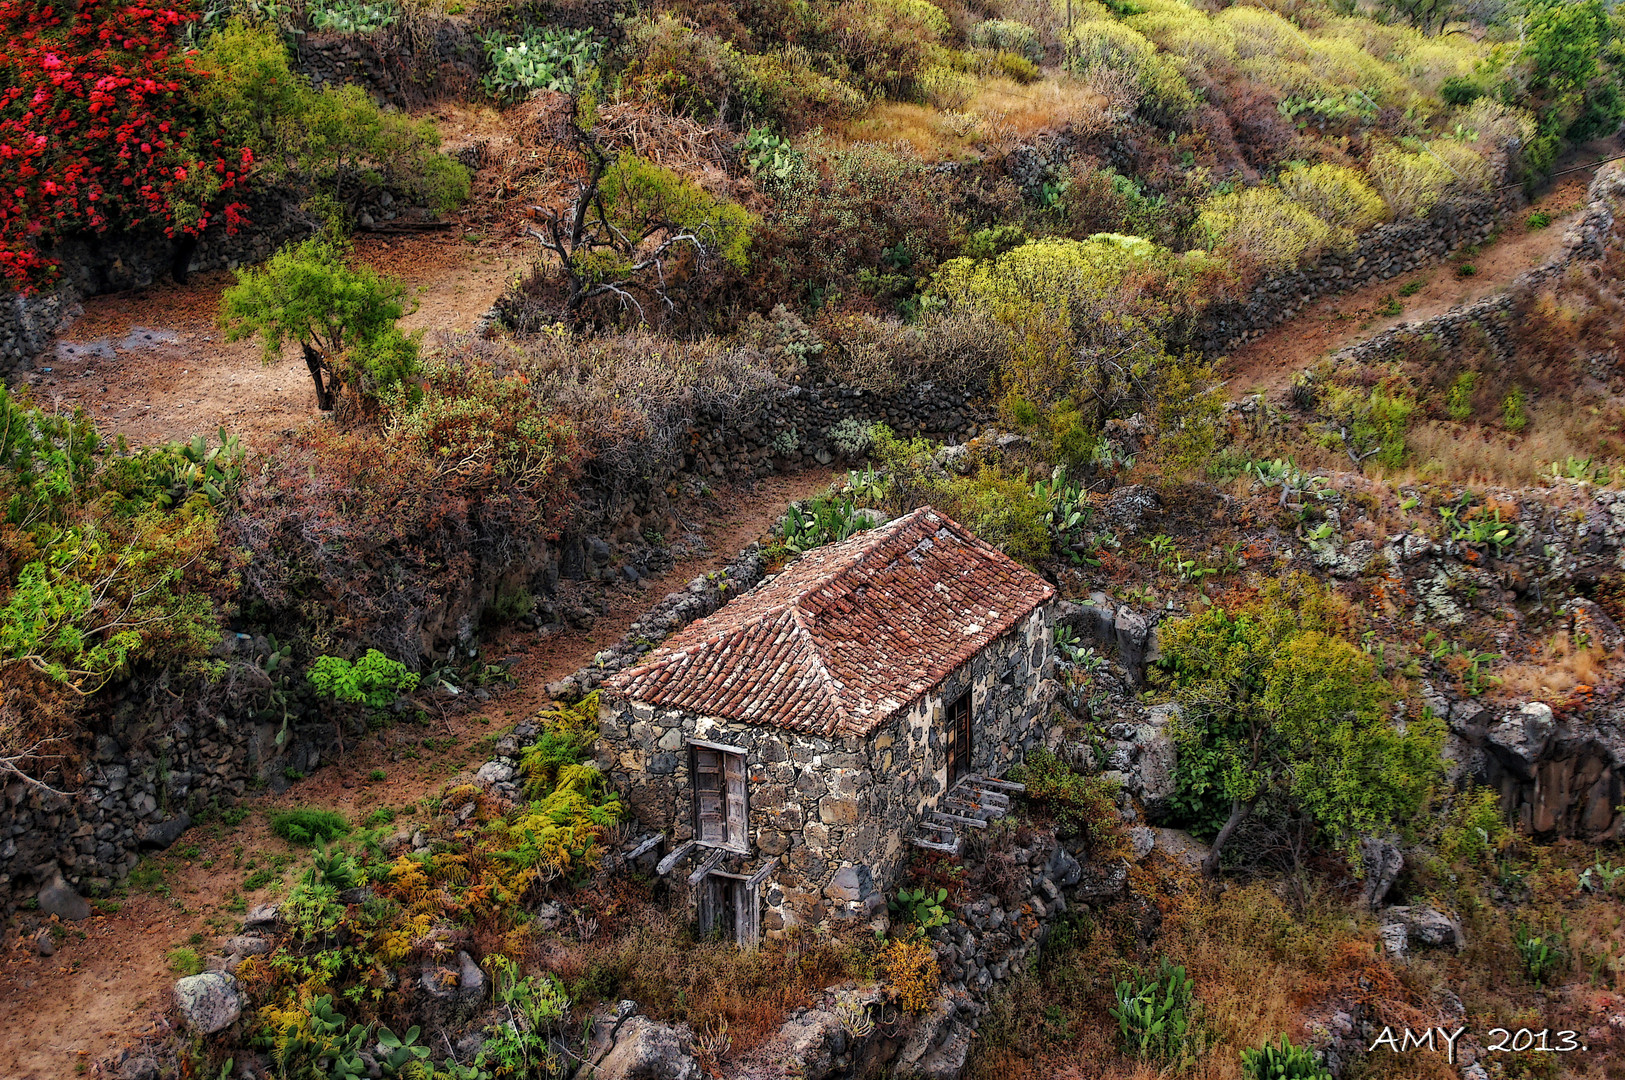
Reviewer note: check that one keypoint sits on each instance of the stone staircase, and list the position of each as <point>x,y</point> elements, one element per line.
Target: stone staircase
<point>970,804</point>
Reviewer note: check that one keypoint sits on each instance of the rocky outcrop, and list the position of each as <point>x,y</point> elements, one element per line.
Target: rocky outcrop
<point>1558,776</point>
<point>1404,928</point>
<point>646,1050</point>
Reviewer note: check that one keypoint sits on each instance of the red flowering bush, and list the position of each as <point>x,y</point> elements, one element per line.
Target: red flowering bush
<point>100,128</point>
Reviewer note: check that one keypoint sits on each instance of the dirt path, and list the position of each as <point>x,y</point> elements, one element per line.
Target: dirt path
<point>1268,364</point>
<point>152,365</point>
<point>108,981</point>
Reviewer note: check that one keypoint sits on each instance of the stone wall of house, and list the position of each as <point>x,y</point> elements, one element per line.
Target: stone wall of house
<point>835,811</point>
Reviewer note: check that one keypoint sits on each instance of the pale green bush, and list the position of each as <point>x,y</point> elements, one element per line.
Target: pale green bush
<point>1413,182</point>
<point>1260,226</point>
<point>1007,35</point>
<point>1338,196</point>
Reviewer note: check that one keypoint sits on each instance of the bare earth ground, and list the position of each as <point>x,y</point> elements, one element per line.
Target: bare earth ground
<point>154,367</point>
<point>1268,364</point>
<point>109,979</point>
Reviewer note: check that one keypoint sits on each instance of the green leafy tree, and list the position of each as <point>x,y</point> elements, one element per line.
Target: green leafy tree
<point>1278,705</point>
<point>343,318</point>
<point>634,228</point>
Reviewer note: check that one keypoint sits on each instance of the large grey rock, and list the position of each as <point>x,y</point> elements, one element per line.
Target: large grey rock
<point>58,898</point>
<point>1402,928</point>
<point>247,945</point>
<point>1381,860</point>
<point>208,1002</point>
<point>452,992</point>
<point>164,833</point>
<point>645,1050</point>
<point>1133,631</point>
<point>1159,756</point>
<point>851,884</point>
<point>496,772</point>
<point>1520,739</point>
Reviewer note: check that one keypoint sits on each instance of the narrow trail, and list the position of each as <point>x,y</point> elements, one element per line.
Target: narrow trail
<point>1267,364</point>
<point>108,981</point>
<point>152,365</point>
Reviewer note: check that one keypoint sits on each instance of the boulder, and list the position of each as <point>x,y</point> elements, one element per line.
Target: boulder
<point>58,898</point>
<point>645,1050</point>
<point>1142,840</point>
<point>1158,758</point>
<point>1381,861</point>
<point>452,992</point>
<point>208,1002</point>
<point>1404,927</point>
<point>247,945</point>
<point>164,833</point>
<point>261,917</point>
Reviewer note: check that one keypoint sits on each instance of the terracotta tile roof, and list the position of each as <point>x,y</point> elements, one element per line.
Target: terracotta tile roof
<point>846,635</point>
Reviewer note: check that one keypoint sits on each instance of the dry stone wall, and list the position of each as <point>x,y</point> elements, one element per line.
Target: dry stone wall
<point>1386,252</point>
<point>1488,320</point>
<point>151,769</point>
<point>115,262</point>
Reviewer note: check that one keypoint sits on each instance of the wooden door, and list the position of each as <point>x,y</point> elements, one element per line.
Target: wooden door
<point>719,906</point>
<point>959,738</point>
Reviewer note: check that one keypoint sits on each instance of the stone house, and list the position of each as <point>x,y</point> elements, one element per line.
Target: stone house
<point>790,747</point>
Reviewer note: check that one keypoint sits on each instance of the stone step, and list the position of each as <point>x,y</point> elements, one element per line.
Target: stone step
<point>957,819</point>
<point>932,845</point>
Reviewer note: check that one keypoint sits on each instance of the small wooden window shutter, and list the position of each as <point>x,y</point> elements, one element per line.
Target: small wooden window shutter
<point>710,823</point>
<point>738,815</point>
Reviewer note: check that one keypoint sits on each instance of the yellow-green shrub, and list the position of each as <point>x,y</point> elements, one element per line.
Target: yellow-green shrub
<point>1413,182</point>
<point>1104,45</point>
<point>1337,195</point>
<point>1007,35</point>
<point>1262,227</point>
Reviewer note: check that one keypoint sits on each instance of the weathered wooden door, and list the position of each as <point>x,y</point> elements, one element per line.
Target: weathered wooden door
<point>730,908</point>
<point>959,738</point>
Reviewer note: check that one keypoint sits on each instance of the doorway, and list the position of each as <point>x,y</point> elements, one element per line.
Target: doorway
<point>959,738</point>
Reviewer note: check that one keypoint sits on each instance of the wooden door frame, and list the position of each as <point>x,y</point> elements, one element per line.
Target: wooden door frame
<point>959,749</point>
<point>695,746</point>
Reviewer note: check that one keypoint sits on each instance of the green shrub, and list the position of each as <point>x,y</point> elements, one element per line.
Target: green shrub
<point>1111,48</point>
<point>1007,35</point>
<point>1476,827</point>
<point>1338,196</point>
<point>374,680</point>
<point>1262,227</point>
<point>1083,806</point>
<point>308,825</point>
<point>352,16</point>
<point>342,317</point>
<point>185,961</point>
<point>1459,90</point>
<point>1542,954</point>
<point>1372,425</point>
<point>1278,705</point>
<point>538,59</point>
<point>1459,400</point>
<point>1286,1061</point>
<point>568,734</point>
<point>321,137</point>
<point>1154,1013</point>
